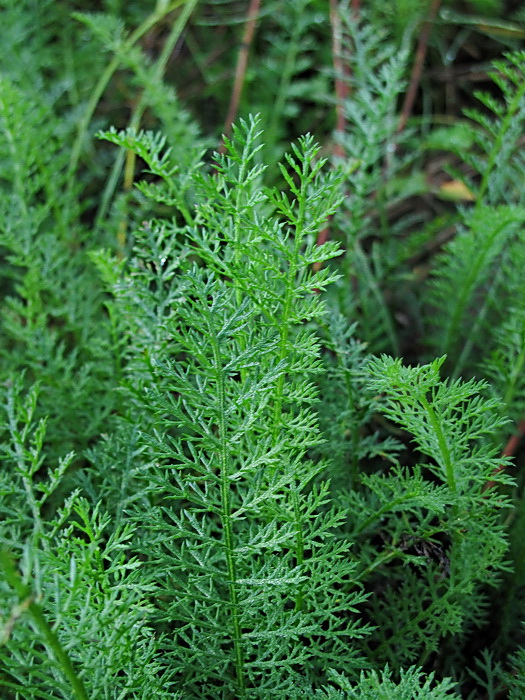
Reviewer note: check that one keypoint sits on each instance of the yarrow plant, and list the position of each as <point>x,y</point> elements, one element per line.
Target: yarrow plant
<point>225,472</point>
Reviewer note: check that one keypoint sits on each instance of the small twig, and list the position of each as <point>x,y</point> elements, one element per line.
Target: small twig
<point>240,70</point>
<point>417,68</point>
<point>514,440</point>
<point>138,111</point>
<point>341,71</point>
<point>508,451</point>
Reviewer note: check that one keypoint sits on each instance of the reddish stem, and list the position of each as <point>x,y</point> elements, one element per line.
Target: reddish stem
<point>508,451</point>
<point>341,71</point>
<point>341,76</point>
<point>417,68</point>
<point>240,70</point>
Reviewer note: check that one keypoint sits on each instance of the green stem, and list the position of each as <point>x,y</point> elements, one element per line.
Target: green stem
<point>288,299</point>
<point>379,561</point>
<point>406,497</point>
<point>139,110</point>
<point>226,516</point>
<point>299,543</point>
<point>283,351</point>
<point>442,443</point>
<point>104,79</point>
<point>51,639</point>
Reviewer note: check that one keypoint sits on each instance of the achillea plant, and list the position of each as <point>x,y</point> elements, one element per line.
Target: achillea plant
<point>258,591</point>
<point>211,485</point>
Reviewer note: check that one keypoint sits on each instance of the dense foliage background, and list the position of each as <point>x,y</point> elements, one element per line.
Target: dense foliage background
<point>262,348</point>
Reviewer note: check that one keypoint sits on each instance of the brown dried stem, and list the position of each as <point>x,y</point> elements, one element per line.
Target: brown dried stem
<point>240,70</point>
<point>417,68</point>
<point>341,71</point>
<point>341,75</point>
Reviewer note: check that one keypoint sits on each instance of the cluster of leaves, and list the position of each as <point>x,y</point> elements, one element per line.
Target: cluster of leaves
<point>213,484</point>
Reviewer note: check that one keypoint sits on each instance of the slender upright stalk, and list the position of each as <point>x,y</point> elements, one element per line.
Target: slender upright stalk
<point>240,70</point>
<point>283,353</point>
<point>40,622</point>
<point>106,76</point>
<point>136,117</point>
<point>341,72</point>
<point>444,448</point>
<point>417,68</point>
<point>226,515</point>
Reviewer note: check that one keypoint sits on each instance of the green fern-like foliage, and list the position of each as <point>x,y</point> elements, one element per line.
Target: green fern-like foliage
<point>253,572</point>
<point>380,686</point>
<point>498,161</point>
<point>211,487</point>
<point>346,416</point>
<point>515,676</point>
<point>285,62</point>
<point>455,541</point>
<point>378,160</point>
<point>485,257</point>
<point>50,321</point>
<point>74,604</point>
<point>478,258</point>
